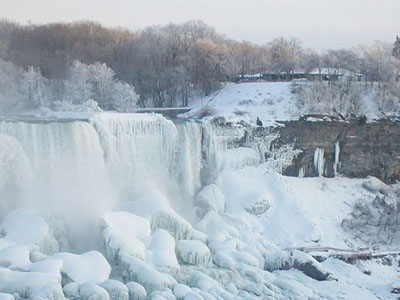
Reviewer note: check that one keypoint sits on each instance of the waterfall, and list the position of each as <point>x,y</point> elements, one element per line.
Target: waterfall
<point>111,158</point>
<point>54,157</point>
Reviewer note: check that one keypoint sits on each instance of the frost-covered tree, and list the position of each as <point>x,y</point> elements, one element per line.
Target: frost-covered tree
<point>396,48</point>
<point>97,82</point>
<point>10,93</point>
<point>78,88</point>
<point>102,82</point>
<point>342,96</point>
<point>125,98</point>
<point>34,88</point>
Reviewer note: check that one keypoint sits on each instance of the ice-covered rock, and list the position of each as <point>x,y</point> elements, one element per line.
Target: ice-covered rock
<point>125,233</point>
<point>116,289</point>
<point>375,186</point>
<point>27,227</point>
<point>210,198</point>
<point>91,291</point>
<point>260,207</point>
<point>136,291</point>
<point>285,260</point>
<point>181,290</point>
<point>14,257</point>
<point>146,275</point>
<point>87,267</point>
<point>165,293</point>
<point>193,252</point>
<point>31,285</point>
<point>207,284</point>
<point>161,253</point>
<point>4,296</point>
<point>177,226</point>
<point>48,265</point>
<point>71,290</point>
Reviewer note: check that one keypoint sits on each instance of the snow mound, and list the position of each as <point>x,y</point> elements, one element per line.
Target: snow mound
<point>88,267</point>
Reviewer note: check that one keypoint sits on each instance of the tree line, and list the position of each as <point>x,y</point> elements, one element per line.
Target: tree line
<point>169,64</point>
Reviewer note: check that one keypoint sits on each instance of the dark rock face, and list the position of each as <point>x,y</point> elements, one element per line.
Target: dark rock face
<point>366,149</point>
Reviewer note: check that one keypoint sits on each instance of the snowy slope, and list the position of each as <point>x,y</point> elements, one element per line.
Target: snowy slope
<point>270,101</point>
<point>273,101</point>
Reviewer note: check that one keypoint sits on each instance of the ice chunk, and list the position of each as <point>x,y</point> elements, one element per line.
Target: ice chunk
<point>136,291</point>
<point>88,267</point>
<point>193,252</point>
<point>210,198</point>
<point>116,289</point>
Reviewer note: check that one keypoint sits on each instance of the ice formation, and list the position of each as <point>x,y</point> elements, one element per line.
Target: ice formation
<point>336,162</point>
<point>135,206</point>
<point>319,161</point>
<point>192,252</point>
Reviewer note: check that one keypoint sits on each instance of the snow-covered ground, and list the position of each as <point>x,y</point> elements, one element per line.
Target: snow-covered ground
<point>269,101</point>
<point>114,208</point>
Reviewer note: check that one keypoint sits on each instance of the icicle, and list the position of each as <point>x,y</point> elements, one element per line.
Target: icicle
<point>336,162</point>
<point>301,172</point>
<point>319,161</point>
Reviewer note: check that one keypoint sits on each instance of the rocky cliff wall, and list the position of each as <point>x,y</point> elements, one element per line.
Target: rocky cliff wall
<point>359,149</point>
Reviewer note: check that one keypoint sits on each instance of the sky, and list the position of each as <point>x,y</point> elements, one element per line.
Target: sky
<point>319,24</point>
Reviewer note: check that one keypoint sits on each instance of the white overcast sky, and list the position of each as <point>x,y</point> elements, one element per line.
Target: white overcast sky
<point>319,24</point>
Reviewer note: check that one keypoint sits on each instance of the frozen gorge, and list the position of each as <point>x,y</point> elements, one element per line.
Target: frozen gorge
<point>135,206</point>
